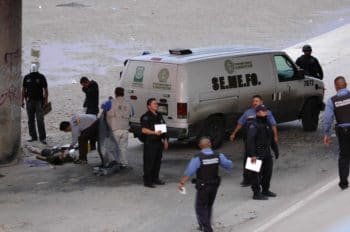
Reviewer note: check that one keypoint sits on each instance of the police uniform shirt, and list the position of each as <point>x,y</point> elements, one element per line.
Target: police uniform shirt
<point>195,162</point>
<point>259,138</point>
<point>148,120</point>
<point>250,114</point>
<point>34,83</point>
<point>329,113</point>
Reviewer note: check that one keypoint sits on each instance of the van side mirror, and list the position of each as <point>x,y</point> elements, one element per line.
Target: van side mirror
<point>300,74</point>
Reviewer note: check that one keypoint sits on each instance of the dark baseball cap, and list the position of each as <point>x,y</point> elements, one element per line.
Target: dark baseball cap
<point>260,108</point>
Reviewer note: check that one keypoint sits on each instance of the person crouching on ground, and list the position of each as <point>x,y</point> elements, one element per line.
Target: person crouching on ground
<point>206,166</point>
<point>84,128</point>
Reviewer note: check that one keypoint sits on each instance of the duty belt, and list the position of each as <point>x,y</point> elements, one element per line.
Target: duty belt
<point>214,181</point>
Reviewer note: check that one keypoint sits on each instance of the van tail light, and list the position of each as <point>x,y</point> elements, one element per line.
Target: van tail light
<point>181,110</point>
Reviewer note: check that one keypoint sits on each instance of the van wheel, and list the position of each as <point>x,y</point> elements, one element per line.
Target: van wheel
<point>214,128</point>
<point>310,115</point>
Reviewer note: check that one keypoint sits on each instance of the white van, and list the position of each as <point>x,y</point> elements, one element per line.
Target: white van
<point>204,91</point>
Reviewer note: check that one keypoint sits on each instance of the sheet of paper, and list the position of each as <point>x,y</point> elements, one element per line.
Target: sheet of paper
<point>183,191</point>
<point>160,127</point>
<point>253,167</point>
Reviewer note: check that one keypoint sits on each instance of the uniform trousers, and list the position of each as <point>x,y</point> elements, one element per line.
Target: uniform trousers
<point>344,155</point>
<point>262,178</point>
<point>245,171</point>
<point>205,198</point>
<point>152,159</point>
<point>35,111</point>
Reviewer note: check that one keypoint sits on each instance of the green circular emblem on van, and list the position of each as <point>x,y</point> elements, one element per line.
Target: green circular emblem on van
<point>229,66</point>
<point>163,75</point>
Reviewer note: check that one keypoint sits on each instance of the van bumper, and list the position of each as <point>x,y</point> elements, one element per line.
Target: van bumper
<point>173,132</point>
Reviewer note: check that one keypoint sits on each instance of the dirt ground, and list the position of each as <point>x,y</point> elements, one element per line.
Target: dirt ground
<point>93,38</point>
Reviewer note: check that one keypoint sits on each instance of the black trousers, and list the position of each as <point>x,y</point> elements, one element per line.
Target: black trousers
<point>344,155</point>
<point>205,198</point>
<point>89,134</point>
<point>246,178</point>
<point>262,178</point>
<point>35,113</point>
<point>152,159</point>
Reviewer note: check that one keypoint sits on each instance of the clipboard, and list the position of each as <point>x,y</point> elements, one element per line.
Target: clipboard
<point>253,167</point>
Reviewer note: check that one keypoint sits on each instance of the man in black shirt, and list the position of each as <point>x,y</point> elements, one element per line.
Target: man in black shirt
<point>90,88</point>
<point>154,143</point>
<point>310,64</point>
<point>35,96</point>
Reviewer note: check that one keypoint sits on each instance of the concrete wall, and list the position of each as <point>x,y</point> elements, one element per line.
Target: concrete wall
<point>10,79</point>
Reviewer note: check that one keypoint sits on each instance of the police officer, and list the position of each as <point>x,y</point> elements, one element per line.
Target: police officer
<point>338,106</point>
<point>35,96</point>
<point>259,141</point>
<point>243,122</point>
<point>154,143</point>
<point>206,166</point>
<point>310,64</point>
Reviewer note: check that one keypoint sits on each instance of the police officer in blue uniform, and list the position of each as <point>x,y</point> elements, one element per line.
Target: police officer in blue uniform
<point>259,141</point>
<point>338,106</point>
<point>243,122</point>
<point>206,166</point>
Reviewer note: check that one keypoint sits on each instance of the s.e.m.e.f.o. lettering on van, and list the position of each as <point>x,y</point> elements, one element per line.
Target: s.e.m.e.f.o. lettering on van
<point>235,81</point>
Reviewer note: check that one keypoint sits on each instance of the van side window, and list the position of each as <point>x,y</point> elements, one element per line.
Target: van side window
<point>285,69</point>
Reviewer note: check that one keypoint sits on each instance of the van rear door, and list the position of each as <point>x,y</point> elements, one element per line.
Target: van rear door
<point>147,79</point>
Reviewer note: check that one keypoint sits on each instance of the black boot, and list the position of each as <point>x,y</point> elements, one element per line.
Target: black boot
<point>259,196</point>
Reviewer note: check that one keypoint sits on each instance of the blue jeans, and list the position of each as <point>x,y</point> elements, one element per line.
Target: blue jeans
<point>35,111</point>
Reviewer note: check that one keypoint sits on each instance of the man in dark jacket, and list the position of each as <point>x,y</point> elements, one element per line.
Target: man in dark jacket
<point>259,141</point>
<point>90,88</point>
<point>310,64</point>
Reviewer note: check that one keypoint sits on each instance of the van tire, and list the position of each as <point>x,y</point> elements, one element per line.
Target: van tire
<point>214,128</point>
<point>310,115</point>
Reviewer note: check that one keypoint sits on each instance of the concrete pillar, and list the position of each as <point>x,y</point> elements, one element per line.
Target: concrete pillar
<point>10,79</point>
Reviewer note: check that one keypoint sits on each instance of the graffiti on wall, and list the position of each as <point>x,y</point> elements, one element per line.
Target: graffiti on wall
<point>10,69</point>
<point>10,94</point>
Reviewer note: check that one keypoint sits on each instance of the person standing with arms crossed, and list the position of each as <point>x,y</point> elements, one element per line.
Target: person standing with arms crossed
<point>154,143</point>
<point>118,117</point>
<point>338,107</point>
<point>35,95</point>
<point>206,166</point>
<point>243,122</point>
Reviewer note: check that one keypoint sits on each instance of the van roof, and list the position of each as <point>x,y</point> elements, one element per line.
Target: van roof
<point>199,54</point>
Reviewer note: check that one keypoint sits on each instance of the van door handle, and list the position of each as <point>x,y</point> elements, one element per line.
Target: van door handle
<point>274,97</point>
<point>279,96</point>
